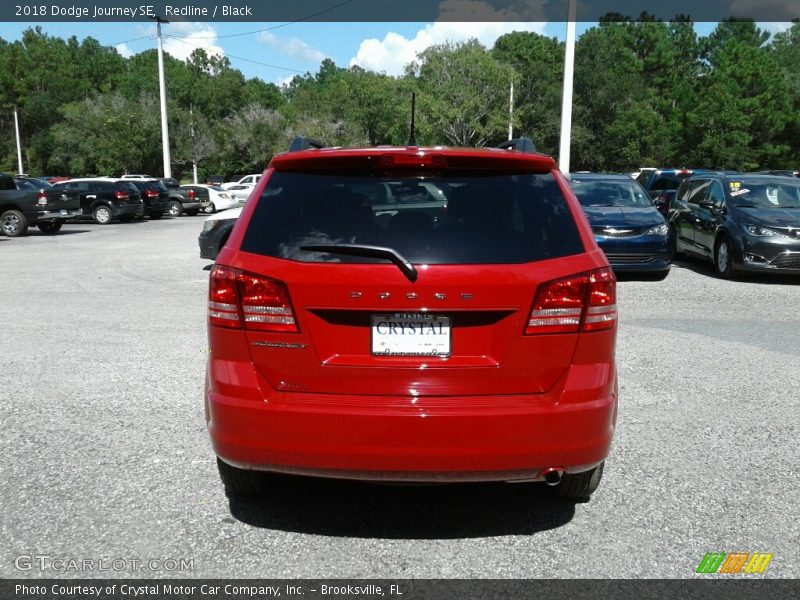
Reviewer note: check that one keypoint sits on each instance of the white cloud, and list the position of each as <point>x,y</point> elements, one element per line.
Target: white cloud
<point>191,36</point>
<point>293,47</point>
<point>458,21</point>
<point>124,50</point>
<point>774,28</point>
<point>395,51</point>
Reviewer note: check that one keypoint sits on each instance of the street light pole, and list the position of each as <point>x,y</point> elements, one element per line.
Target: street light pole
<point>566,98</point>
<point>163,94</point>
<point>19,144</point>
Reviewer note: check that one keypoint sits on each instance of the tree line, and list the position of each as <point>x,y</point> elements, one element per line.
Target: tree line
<point>647,93</point>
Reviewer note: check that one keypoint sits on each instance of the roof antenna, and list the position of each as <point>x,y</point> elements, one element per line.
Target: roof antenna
<point>412,139</point>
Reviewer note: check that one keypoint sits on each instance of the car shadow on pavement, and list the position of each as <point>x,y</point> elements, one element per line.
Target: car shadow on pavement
<point>707,270</point>
<point>363,510</point>
<point>37,233</point>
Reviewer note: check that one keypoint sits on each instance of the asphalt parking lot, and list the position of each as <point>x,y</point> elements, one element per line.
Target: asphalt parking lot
<point>102,351</point>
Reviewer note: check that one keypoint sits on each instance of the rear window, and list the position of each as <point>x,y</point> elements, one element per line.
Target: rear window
<point>448,220</point>
<point>668,182</point>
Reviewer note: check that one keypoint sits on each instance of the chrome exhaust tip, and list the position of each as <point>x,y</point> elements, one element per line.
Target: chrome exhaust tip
<point>553,475</point>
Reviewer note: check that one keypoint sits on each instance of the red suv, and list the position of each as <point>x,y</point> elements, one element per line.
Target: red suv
<point>412,314</point>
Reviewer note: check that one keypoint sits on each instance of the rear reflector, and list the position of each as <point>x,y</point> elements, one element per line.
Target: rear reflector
<point>243,300</point>
<point>584,302</point>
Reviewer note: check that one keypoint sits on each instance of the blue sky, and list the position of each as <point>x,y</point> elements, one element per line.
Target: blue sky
<point>275,52</point>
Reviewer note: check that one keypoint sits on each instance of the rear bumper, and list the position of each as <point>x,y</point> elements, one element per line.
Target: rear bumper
<point>500,438</point>
<point>58,215</point>
<point>122,210</point>
<point>157,206</point>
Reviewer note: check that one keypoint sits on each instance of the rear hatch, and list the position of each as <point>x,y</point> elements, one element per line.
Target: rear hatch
<point>405,285</point>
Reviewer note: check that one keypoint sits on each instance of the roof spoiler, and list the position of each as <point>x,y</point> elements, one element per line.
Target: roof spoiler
<point>522,144</point>
<point>303,143</point>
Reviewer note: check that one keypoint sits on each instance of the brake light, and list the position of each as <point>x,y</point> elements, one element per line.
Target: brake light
<point>192,194</point>
<point>585,302</point>
<point>42,199</point>
<point>120,195</point>
<point>151,193</point>
<point>241,300</point>
<point>412,161</point>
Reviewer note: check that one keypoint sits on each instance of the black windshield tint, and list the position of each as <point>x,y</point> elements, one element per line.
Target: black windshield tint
<point>464,220</point>
<point>610,193</point>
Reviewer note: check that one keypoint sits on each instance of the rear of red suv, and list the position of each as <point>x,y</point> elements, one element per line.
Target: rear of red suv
<point>407,314</point>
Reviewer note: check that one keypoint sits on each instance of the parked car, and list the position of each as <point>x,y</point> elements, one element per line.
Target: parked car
<point>104,199</point>
<point>629,229</point>
<point>781,173</point>
<point>181,200</point>
<point>214,198</point>
<point>240,193</point>
<point>739,222</point>
<point>26,201</point>
<point>216,231</point>
<point>475,347</point>
<point>248,180</point>
<point>154,196</point>
<point>643,174</point>
<point>134,176</point>
<point>662,184</point>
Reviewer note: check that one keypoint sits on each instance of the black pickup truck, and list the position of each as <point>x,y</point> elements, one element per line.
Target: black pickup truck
<point>26,201</point>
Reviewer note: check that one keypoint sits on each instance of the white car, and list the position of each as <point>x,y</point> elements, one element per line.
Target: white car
<point>219,199</point>
<point>240,192</point>
<point>132,176</point>
<point>248,180</point>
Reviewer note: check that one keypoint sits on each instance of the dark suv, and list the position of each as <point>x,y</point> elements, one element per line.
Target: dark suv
<point>740,222</point>
<point>154,194</point>
<point>105,199</point>
<point>412,314</point>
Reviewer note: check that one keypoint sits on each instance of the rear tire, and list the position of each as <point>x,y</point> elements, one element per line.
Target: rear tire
<point>14,223</point>
<point>579,487</point>
<point>241,482</point>
<point>156,215</point>
<point>103,215</point>
<point>50,227</point>
<point>210,208</point>
<point>175,209</point>
<point>723,257</point>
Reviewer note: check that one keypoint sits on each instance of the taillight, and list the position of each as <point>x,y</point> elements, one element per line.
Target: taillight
<point>151,193</point>
<point>42,199</point>
<point>243,300</point>
<point>418,160</point>
<point>586,302</point>
<point>120,195</point>
<point>192,194</point>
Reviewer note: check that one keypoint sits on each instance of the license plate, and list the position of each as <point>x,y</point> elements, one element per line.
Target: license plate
<point>410,334</point>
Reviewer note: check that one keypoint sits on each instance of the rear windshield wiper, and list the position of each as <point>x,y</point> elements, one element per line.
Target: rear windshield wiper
<point>370,251</point>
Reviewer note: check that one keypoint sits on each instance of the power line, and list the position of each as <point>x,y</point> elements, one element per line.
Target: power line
<point>134,40</point>
<point>307,18</point>
<point>182,41</point>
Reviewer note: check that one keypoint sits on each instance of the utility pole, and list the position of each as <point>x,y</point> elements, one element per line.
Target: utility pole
<point>511,113</point>
<point>194,154</point>
<point>566,98</point>
<point>19,144</point>
<point>162,89</point>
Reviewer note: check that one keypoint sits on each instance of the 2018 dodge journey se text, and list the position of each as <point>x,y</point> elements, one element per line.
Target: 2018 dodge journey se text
<point>412,314</point>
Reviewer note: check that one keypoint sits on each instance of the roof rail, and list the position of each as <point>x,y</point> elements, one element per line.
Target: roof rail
<point>522,144</point>
<point>303,143</point>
